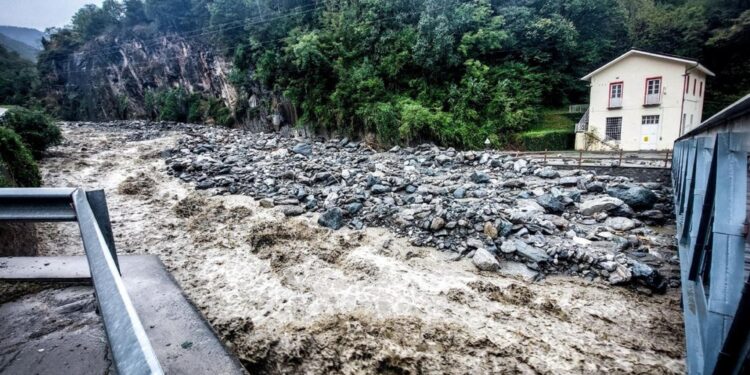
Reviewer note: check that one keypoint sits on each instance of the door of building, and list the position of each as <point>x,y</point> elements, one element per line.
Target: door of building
<point>649,132</point>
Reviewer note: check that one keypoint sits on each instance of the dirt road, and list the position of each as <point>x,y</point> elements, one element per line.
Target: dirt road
<point>291,297</point>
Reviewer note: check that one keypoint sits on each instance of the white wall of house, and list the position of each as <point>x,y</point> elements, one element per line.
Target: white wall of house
<point>633,73</point>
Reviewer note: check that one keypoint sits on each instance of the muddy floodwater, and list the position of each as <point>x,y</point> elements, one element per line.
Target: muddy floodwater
<point>288,296</point>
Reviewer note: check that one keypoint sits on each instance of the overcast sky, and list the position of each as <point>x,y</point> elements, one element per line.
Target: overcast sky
<point>40,14</point>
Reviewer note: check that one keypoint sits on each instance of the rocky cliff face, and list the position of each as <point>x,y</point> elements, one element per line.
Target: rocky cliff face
<point>115,78</point>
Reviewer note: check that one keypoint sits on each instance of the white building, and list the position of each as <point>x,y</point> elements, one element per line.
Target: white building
<point>642,101</point>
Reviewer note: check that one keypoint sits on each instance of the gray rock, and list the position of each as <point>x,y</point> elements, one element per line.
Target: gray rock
<point>514,183</point>
<point>480,178</point>
<point>547,172</point>
<point>595,187</point>
<point>519,164</point>
<point>642,270</point>
<point>552,204</point>
<point>291,210</point>
<point>531,253</point>
<point>568,181</point>
<point>504,227</point>
<point>266,202</point>
<point>637,197</point>
<point>601,204</point>
<point>525,210</point>
<point>619,223</point>
<point>474,243</point>
<point>485,261</point>
<point>380,189</point>
<point>459,193</point>
<point>508,247</point>
<point>353,208</point>
<point>332,218</point>
<point>651,215</point>
<point>443,159</point>
<point>302,149</point>
<point>620,275</point>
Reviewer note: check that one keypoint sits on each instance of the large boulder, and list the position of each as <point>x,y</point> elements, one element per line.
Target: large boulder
<point>485,261</point>
<point>551,203</point>
<point>620,224</point>
<point>333,218</point>
<point>547,172</point>
<point>302,149</point>
<point>480,178</point>
<point>531,253</point>
<point>637,197</point>
<point>525,210</point>
<point>601,204</point>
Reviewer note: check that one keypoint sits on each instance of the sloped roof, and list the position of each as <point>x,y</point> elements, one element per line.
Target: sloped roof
<point>632,52</point>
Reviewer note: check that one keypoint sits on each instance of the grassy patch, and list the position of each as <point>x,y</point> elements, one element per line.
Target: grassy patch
<point>554,131</point>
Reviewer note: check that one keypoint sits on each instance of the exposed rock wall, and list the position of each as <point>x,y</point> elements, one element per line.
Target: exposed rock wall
<point>110,78</point>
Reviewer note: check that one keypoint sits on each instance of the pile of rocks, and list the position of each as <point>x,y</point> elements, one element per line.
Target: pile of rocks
<point>486,206</point>
<point>481,205</point>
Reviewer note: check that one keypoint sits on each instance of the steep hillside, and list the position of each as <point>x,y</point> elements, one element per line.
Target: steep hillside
<point>22,49</point>
<point>25,35</point>
<point>165,78</point>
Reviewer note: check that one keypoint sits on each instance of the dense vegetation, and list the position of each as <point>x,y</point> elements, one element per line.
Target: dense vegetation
<point>24,136</point>
<point>18,78</point>
<point>457,72</point>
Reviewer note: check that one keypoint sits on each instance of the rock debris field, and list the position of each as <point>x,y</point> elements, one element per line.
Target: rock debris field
<point>331,257</point>
<point>477,205</point>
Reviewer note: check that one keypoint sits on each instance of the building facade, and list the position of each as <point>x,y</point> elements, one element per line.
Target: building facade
<point>642,101</point>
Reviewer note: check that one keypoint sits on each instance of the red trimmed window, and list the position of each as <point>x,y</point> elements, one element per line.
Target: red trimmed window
<point>653,91</point>
<point>615,95</point>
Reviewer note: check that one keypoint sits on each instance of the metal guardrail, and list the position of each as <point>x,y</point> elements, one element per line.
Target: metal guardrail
<point>710,180</point>
<point>584,158</point>
<point>131,348</point>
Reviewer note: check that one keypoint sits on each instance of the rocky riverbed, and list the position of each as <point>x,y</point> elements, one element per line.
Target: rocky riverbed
<point>485,206</point>
<point>288,294</point>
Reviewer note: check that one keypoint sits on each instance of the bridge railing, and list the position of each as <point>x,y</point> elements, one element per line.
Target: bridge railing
<point>710,181</point>
<point>131,349</point>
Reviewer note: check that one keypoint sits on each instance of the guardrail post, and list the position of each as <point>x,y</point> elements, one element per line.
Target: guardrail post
<point>580,156</point>
<point>545,156</point>
<point>619,163</point>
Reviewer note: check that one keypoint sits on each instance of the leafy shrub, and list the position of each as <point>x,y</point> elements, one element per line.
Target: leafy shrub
<point>17,166</point>
<point>35,128</point>
<point>178,105</point>
<point>555,139</point>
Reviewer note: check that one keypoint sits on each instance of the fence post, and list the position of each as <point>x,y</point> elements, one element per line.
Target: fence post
<point>545,156</point>
<point>619,163</point>
<point>580,156</point>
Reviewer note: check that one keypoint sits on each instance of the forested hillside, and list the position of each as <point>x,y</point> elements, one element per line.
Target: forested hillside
<point>456,72</point>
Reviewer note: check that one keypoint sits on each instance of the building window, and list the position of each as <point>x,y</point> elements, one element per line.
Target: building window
<point>613,132</point>
<point>650,120</point>
<point>701,90</point>
<point>615,95</point>
<point>687,83</point>
<point>653,91</point>
<point>695,85</point>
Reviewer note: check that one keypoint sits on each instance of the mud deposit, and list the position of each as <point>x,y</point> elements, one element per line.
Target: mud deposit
<point>288,296</point>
